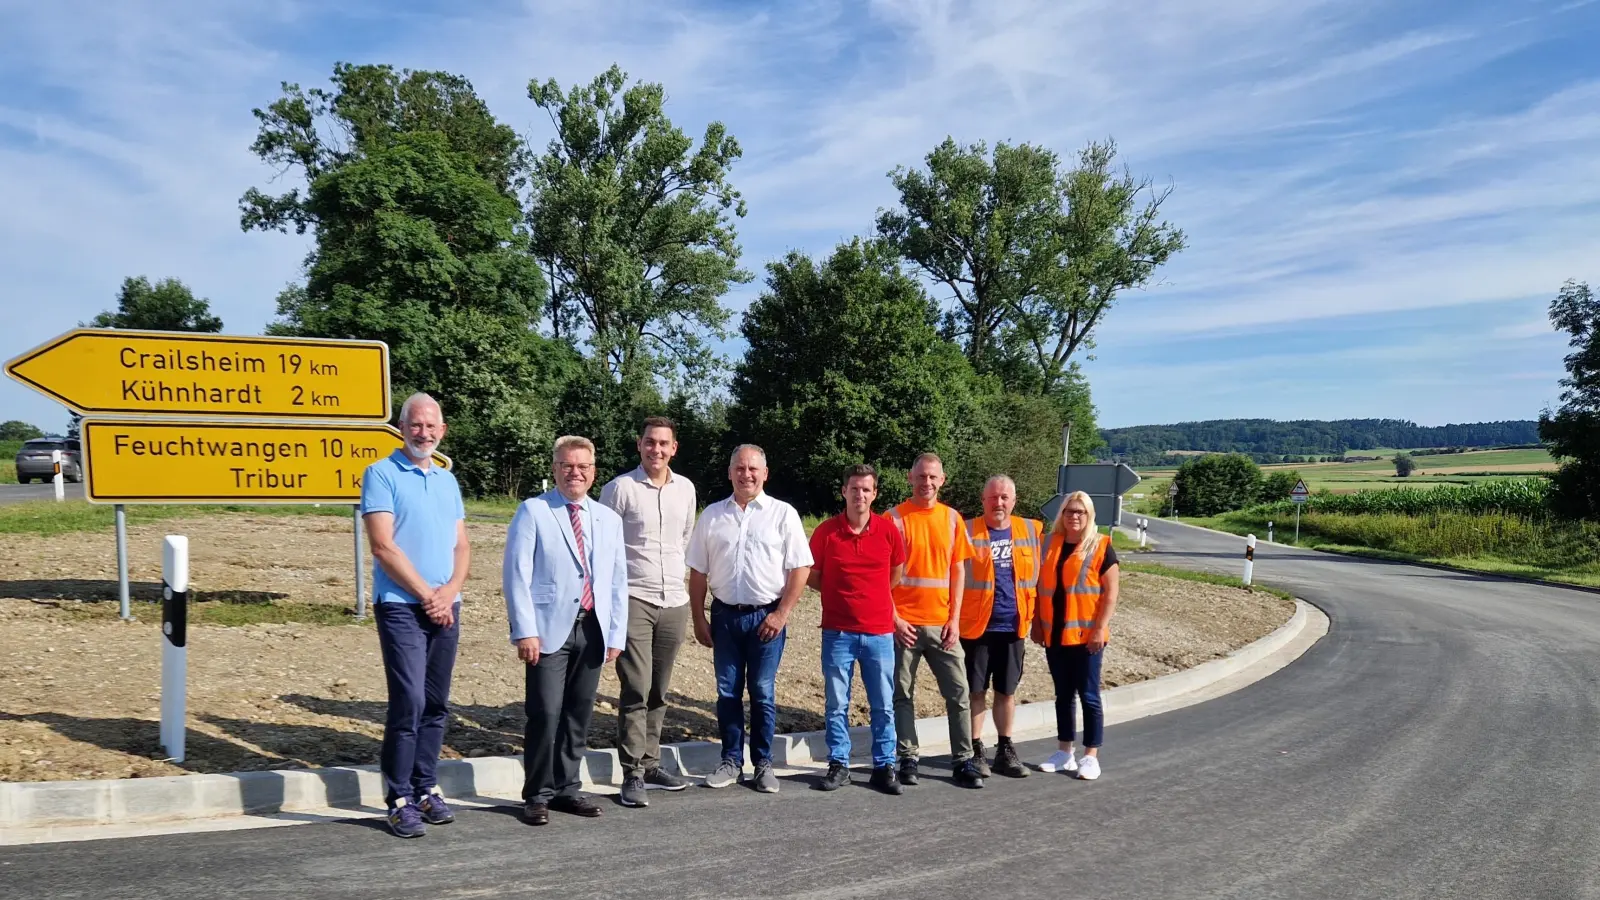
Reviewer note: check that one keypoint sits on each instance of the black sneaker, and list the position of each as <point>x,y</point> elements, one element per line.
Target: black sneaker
<point>883,778</point>
<point>633,792</point>
<point>1007,763</point>
<point>967,774</point>
<point>977,757</point>
<point>659,779</point>
<point>908,770</point>
<point>838,776</point>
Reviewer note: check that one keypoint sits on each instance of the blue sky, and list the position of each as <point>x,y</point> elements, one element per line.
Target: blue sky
<point>1380,201</point>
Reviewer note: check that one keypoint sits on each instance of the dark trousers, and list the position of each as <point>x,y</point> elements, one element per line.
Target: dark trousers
<point>559,701</point>
<point>745,662</point>
<point>1076,673</point>
<point>418,657</point>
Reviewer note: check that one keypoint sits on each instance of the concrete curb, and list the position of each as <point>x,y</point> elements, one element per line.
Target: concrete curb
<point>129,801</point>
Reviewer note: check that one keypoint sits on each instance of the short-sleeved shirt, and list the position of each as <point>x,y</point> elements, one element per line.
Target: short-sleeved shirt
<point>1003,617</point>
<point>747,553</point>
<point>426,504</point>
<point>855,573</point>
<point>936,539</point>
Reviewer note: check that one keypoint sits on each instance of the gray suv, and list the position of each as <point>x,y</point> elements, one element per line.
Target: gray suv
<point>33,460</point>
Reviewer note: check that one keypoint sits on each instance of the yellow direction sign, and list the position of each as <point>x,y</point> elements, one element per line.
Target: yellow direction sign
<point>151,461</point>
<point>107,370</point>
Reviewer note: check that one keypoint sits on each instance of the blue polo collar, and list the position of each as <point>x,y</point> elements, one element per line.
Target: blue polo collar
<point>405,462</point>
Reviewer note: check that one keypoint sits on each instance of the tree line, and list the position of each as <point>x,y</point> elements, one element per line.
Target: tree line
<point>1270,441</point>
<point>579,288</point>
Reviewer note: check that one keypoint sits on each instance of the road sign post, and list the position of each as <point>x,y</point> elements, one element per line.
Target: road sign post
<point>1299,495</point>
<point>361,565</point>
<point>122,561</point>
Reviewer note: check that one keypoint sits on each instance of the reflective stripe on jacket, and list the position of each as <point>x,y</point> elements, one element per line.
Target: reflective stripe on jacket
<point>978,601</point>
<point>924,590</point>
<point>1081,601</point>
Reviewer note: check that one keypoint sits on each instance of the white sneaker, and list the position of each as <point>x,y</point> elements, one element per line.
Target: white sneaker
<point>1060,761</point>
<point>1089,768</point>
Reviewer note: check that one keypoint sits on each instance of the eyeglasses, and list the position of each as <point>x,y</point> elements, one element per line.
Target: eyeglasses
<point>574,467</point>
<point>1077,512</point>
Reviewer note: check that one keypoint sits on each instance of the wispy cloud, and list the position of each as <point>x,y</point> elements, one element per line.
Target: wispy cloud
<point>1334,162</point>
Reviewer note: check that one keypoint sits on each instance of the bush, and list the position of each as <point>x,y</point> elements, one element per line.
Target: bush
<point>1404,465</point>
<point>1277,486</point>
<point>1214,484</point>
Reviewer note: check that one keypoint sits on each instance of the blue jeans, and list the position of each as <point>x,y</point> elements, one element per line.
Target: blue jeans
<point>1076,673</point>
<point>744,661</point>
<point>841,650</point>
<point>418,658</point>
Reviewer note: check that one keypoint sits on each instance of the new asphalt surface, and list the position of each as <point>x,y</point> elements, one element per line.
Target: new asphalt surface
<point>1437,743</point>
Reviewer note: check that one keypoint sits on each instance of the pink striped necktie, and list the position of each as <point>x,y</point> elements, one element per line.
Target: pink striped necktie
<point>587,601</point>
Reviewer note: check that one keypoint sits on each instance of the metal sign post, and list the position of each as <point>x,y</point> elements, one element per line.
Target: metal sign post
<point>361,566</point>
<point>122,561</point>
<point>1299,496</point>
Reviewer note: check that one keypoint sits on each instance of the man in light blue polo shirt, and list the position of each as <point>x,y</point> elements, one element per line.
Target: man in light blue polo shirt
<point>416,525</point>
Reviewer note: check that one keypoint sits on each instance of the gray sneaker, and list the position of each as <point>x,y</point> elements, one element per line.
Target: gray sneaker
<point>633,793</point>
<point>659,779</point>
<point>766,782</point>
<point>726,773</point>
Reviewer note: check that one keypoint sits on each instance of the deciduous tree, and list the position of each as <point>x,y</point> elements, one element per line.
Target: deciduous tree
<point>633,226</point>
<point>1573,430</point>
<point>167,305</point>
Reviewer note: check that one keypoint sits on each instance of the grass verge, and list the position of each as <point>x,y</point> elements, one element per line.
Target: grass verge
<point>1556,552</point>
<point>1144,568</point>
<point>46,517</point>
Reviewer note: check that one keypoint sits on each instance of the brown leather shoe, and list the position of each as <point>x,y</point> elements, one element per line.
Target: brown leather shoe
<point>578,806</point>
<point>536,814</point>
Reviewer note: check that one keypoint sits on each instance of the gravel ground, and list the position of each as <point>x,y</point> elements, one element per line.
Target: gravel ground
<point>82,697</point>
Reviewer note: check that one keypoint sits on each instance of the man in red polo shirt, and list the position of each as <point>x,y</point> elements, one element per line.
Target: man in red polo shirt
<point>858,558</point>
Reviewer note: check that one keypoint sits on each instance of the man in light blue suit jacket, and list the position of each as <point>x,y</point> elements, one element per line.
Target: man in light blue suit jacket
<point>565,581</point>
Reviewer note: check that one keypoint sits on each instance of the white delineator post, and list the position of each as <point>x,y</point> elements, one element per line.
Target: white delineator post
<point>1269,531</point>
<point>174,644</point>
<point>57,479</point>
<point>1144,532</point>
<point>1249,558</point>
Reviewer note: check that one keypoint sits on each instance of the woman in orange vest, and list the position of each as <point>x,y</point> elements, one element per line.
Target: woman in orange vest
<point>1077,595</point>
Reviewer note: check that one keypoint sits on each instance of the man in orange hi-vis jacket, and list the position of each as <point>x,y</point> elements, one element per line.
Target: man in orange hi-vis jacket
<point>927,622</point>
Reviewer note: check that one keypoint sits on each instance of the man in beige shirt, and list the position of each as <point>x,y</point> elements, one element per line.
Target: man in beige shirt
<point>657,506</point>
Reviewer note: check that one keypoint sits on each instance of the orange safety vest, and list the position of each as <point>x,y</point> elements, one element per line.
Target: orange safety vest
<point>1081,575</point>
<point>923,595</point>
<point>978,600</point>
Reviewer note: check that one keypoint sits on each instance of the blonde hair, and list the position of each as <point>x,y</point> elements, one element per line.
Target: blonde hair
<point>1089,527</point>
<point>569,441</point>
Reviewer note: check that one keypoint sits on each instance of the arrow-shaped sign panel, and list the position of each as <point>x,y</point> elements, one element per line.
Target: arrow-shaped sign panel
<point>108,370</point>
<point>151,461</point>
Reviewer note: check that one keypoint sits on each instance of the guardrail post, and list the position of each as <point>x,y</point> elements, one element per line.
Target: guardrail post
<point>174,643</point>
<point>1249,558</point>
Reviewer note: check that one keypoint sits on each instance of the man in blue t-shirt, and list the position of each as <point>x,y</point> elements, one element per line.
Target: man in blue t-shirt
<point>993,621</point>
<point>416,526</point>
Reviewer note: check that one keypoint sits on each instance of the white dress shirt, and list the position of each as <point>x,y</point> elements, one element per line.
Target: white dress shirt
<point>746,554</point>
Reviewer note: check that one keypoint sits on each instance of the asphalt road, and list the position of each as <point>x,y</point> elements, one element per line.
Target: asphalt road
<point>16,493</point>
<point>1438,743</point>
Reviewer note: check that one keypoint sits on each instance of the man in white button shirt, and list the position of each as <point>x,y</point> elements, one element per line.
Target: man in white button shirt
<point>657,507</point>
<point>752,552</point>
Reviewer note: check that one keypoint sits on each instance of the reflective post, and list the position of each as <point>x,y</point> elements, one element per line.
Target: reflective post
<point>174,644</point>
<point>1249,558</point>
<point>58,479</point>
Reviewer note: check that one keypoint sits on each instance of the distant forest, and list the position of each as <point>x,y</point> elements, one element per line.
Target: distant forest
<point>1270,441</point>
